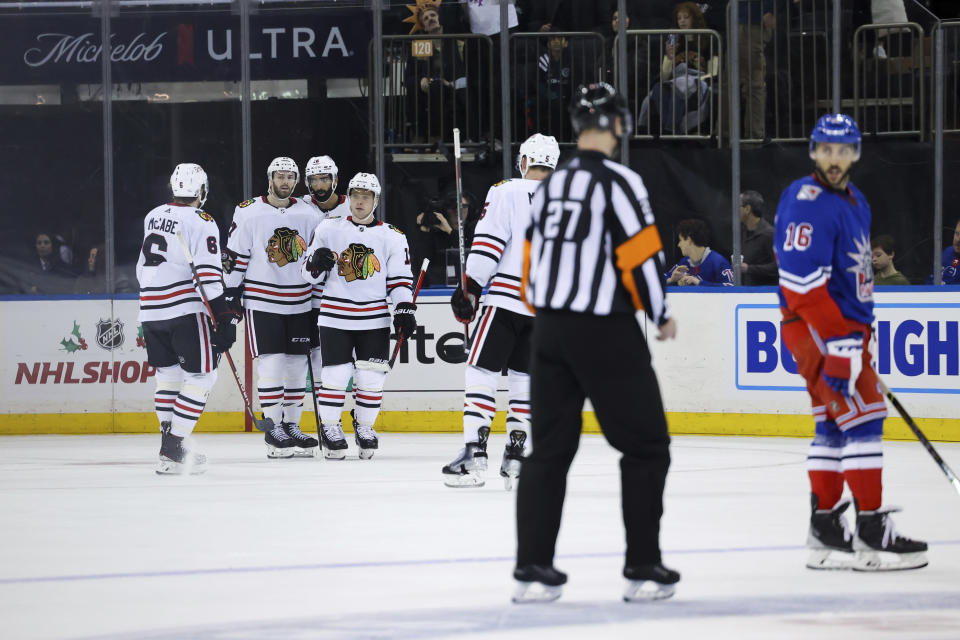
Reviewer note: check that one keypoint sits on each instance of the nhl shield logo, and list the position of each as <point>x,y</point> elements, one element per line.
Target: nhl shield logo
<point>110,334</point>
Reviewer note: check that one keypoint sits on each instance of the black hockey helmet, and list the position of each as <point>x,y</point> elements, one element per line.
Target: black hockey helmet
<point>596,106</point>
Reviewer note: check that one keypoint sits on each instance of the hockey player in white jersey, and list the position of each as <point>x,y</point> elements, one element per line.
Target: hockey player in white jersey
<point>362,262</point>
<point>181,343</point>
<point>321,178</point>
<point>502,337</point>
<point>268,238</point>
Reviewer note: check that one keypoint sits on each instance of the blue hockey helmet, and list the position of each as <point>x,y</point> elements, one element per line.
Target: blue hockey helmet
<point>836,127</point>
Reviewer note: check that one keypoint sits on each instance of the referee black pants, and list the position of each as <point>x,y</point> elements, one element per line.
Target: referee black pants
<point>603,358</point>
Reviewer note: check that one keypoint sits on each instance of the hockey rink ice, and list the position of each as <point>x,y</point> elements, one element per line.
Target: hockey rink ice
<point>95,545</point>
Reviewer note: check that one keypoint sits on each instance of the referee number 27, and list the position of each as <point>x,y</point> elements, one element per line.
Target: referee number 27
<point>562,213</point>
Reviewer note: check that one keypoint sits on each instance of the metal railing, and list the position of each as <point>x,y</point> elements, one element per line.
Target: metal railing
<point>434,83</point>
<point>673,82</point>
<point>889,79</point>
<point>950,32</point>
<point>546,68</point>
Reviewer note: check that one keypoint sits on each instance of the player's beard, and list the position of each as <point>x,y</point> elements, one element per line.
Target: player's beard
<point>281,192</point>
<point>840,184</point>
<point>321,196</point>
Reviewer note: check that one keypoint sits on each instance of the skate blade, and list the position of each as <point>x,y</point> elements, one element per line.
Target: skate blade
<point>884,561</point>
<point>335,454</point>
<point>463,480</point>
<point>830,560</point>
<point>366,454</point>
<point>167,467</point>
<point>647,590</point>
<point>277,452</point>
<point>533,592</point>
<point>305,452</point>
<point>509,482</point>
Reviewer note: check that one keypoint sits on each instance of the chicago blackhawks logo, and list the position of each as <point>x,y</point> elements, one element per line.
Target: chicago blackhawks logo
<point>357,262</point>
<point>285,246</point>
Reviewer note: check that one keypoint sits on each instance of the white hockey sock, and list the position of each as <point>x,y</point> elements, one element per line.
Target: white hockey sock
<point>169,381</point>
<point>191,401</point>
<point>518,410</point>
<point>368,395</point>
<point>294,386</point>
<point>479,403</point>
<point>270,385</point>
<point>333,392</point>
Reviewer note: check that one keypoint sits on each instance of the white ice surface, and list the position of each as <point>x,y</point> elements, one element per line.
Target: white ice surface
<point>94,544</point>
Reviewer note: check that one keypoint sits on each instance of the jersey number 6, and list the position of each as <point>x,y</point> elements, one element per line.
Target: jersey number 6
<point>798,236</point>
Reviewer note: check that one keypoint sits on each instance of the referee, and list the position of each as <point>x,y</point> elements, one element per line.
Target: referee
<point>593,262</point>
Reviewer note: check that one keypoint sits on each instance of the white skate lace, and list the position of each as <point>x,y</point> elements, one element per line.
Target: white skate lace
<point>889,534</point>
<point>279,434</point>
<point>365,432</point>
<point>333,432</point>
<point>293,431</point>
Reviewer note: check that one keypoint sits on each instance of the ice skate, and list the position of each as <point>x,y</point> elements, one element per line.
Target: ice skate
<point>175,459</point>
<point>649,582</point>
<point>879,547</point>
<point>279,444</point>
<point>513,455</point>
<point>366,439</point>
<point>829,538</point>
<point>334,443</point>
<point>306,446</point>
<point>537,583</point>
<point>470,465</point>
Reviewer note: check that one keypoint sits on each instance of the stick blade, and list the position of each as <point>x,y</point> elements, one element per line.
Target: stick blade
<point>264,424</point>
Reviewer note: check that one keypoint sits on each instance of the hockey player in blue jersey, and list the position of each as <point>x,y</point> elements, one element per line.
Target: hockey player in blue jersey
<point>950,260</point>
<point>822,243</point>
<point>699,264</point>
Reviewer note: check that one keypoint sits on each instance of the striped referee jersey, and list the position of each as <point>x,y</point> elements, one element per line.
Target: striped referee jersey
<point>593,245</point>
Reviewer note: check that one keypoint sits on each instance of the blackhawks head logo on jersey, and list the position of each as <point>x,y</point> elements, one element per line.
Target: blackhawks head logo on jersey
<point>285,246</point>
<point>357,262</point>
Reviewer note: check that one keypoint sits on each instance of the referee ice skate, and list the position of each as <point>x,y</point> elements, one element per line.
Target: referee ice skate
<point>593,263</point>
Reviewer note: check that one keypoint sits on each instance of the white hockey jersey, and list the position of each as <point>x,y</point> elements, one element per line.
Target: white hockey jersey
<point>269,243</point>
<point>373,262</point>
<point>167,287</point>
<point>342,210</point>
<point>496,255</point>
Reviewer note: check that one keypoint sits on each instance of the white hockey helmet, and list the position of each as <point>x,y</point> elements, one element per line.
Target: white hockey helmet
<point>540,151</point>
<point>366,181</point>
<point>318,165</point>
<point>189,180</point>
<point>282,164</point>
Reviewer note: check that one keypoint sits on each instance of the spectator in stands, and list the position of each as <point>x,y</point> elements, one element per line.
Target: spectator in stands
<point>436,84</point>
<point>638,62</point>
<point>699,265</point>
<point>437,238</point>
<point>484,19</point>
<point>883,270</point>
<point>681,102</point>
<point>546,100</point>
<point>759,265</point>
<point>756,25</point>
<point>45,271</point>
<point>49,256</point>
<point>950,262</point>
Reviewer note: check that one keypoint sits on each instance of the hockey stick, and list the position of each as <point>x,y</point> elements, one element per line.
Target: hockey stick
<point>463,255</point>
<point>951,476</point>
<point>265,424</point>
<point>314,385</point>
<point>400,336</point>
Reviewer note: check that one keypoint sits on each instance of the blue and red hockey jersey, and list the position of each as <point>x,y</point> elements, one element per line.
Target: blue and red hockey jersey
<point>950,263</point>
<point>713,270</point>
<point>822,243</point>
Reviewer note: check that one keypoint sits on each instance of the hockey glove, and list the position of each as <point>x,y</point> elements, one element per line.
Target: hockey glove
<point>225,319</point>
<point>322,260</point>
<point>843,362</point>
<point>234,300</point>
<point>465,305</point>
<point>403,319</point>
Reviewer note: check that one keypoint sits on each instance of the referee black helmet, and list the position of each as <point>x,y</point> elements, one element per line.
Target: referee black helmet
<point>596,106</point>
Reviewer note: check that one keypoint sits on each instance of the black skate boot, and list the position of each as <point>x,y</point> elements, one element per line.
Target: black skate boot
<point>880,548</point>
<point>468,468</point>
<point>175,459</point>
<point>829,539</point>
<point>649,582</point>
<point>366,439</point>
<point>513,456</point>
<point>306,446</point>
<point>279,444</point>
<point>334,444</point>
<point>537,583</point>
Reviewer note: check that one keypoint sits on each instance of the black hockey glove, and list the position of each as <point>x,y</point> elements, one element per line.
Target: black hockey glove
<point>465,304</point>
<point>322,260</point>
<point>225,321</point>
<point>403,318</point>
<point>234,300</point>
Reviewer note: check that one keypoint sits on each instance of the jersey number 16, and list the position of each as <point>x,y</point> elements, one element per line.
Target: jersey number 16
<point>798,236</point>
